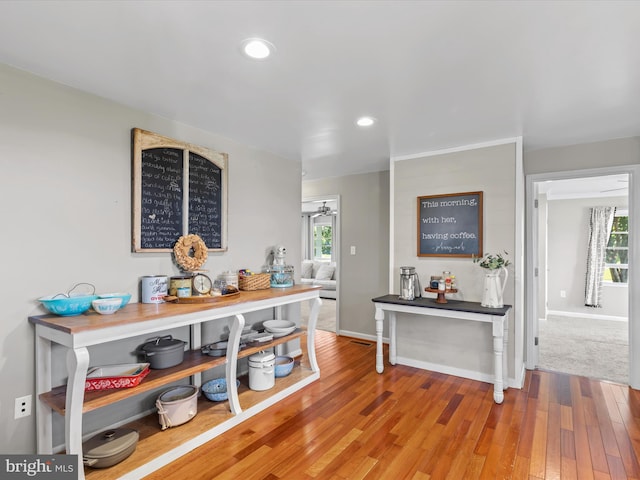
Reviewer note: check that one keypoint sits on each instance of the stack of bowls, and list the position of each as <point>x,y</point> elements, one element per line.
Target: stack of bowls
<point>279,328</point>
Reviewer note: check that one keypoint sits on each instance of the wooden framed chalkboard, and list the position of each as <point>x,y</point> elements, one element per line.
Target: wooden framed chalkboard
<point>450,225</point>
<point>178,189</point>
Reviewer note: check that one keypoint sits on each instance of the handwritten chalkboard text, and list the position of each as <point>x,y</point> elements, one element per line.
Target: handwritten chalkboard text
<point>450,225</point>
<point>178,189</point>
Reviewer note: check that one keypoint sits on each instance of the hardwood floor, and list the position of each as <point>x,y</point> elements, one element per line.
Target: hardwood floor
<point>413,424</point>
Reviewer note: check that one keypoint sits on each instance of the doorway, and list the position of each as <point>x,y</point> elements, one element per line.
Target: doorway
<point>321,247</point>
<point>557,217</point>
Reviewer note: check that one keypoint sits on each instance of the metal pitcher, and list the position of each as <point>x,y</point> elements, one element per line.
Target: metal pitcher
<point>409,284</point>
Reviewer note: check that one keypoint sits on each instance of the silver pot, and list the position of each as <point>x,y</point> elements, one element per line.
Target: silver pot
<point>109,447</point>
<point>163,352</point>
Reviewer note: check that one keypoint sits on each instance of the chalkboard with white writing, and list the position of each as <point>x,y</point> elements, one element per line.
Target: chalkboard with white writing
<point>178,189</point>
<point>450,225</point>
<point>205,200</point>
<point>161,202</point>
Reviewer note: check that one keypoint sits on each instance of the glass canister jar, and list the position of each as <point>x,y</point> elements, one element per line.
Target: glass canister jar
<point>446,276</point>
<point>407,283</point>
<point>281,276</point>
<point>182,283</point>
<point>229,278</point>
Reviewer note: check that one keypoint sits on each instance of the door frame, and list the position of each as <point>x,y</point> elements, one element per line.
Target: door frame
<point>532,261</point>
<point>336,247</point>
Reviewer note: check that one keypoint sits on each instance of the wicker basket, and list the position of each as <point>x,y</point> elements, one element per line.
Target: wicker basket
<point>257,281</point>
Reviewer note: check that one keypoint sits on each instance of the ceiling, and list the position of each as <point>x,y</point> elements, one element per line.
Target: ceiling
<point>587,187</point>
<point>434,74</point>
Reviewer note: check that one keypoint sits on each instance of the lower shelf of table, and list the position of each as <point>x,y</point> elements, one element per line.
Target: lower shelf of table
<point>155,442</point>
<point>194,362</point>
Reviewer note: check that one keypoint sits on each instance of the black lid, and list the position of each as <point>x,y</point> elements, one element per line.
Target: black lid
<point>162,344</point>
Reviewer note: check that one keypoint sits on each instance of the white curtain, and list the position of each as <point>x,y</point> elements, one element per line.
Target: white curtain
<point>600,228</point>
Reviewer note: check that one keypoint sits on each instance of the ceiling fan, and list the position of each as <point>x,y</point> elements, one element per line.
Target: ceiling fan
<point>619,188</point>
<point>323,211</point>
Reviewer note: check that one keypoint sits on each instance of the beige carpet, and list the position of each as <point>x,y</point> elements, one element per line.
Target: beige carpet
<point>326,316</point>
<point>591,348</point>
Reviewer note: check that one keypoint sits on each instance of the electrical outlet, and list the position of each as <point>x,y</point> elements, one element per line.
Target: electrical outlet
<point>23,406</point>
<point>563,294</point>
<point>353,249</point>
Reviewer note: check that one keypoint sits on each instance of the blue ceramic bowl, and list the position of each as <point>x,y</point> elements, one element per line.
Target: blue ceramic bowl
<point>68,306</point>
<point>283,366</point>
<point>124,296</point>
<point>216,390</point>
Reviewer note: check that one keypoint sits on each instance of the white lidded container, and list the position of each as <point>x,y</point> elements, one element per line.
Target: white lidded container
<point>261,371</point>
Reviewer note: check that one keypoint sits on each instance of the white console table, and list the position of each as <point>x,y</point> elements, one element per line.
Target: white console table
<point>497,317</point>
<point>157,448</point>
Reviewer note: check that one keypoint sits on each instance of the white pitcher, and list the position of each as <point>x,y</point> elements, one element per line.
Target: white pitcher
<point>494,287</point>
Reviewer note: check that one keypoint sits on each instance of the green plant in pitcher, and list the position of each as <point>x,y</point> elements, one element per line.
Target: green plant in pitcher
<point>492,261</point>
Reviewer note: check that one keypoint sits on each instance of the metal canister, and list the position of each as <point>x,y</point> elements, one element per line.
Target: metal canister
<point>179,282</point>
<point>153,288</point>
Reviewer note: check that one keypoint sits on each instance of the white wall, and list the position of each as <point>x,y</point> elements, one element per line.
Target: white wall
<point>568,232</point>
<point>454,343</point>
<point>65,192</point>
<point>364,224</point>
<point>609,153</point>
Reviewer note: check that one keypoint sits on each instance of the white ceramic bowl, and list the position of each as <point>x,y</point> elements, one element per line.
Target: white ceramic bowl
<point>279,326</point>
<point>106,306</point>
<point>125,297</point>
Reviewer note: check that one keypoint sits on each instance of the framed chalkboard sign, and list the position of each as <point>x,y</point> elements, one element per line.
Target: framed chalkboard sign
<point>178,189</point>
<point>450,225</point>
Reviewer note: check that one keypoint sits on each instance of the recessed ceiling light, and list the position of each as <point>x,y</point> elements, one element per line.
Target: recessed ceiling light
<point>257,48</point>
<point>365,121</point>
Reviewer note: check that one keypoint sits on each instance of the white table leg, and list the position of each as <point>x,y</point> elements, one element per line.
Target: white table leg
<point>505,342</point>
<point>233,347</point>
<point>77,365</point>
<point>392,338</point>
<point>498,351</point>
<point>43,384</point>
<point>379,324</point>
<point>311,332</point>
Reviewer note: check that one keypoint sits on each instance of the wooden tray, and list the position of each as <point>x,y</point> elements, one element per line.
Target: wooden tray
<point>198,299</point>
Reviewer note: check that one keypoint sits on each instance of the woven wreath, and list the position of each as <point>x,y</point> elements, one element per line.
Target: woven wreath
<point>183,249</point>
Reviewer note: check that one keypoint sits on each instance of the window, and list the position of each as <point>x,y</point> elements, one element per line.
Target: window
<point>322,242</point>
<point>617,254</point>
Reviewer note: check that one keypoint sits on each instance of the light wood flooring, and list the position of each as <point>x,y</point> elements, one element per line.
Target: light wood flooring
<point>413,424</point>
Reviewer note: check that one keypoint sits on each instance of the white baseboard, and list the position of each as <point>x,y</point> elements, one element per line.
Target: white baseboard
<point>457,372</point>
<point>593,316</point>
<point>434,367</point>
<point>361,336</point>
<point>446,369</point>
